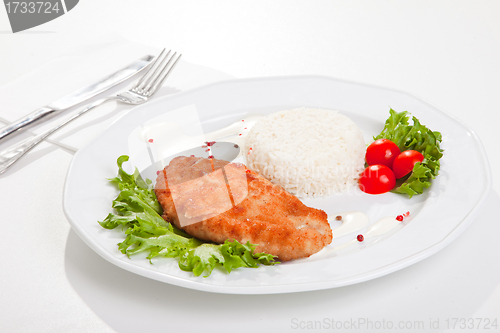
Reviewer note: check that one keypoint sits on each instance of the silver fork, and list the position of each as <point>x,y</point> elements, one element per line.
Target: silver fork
<point>143,90</point>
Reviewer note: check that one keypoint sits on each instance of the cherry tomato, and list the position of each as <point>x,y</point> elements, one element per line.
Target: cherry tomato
<point>404,162</point>
<point>377,179</point>
<point>381,151</point>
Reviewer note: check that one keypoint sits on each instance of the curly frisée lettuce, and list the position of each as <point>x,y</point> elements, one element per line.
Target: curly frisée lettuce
<point>417,137</point>
<point>138,212</point>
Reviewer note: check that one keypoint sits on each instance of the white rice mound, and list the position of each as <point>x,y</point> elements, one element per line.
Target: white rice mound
<point>309,152</point>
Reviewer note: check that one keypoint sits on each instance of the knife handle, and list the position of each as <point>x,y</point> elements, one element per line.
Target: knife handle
<point>44,112</point>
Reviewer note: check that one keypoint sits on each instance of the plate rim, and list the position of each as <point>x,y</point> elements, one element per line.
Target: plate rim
<point>304,286</point>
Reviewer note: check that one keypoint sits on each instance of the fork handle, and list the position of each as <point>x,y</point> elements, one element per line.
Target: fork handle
<point>44,112</point>
<point>13,153</point>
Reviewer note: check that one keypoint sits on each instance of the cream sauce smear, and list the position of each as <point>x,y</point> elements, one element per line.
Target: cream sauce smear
<point>356,221</point>
<point>178,141</point>
<point>351,222</point>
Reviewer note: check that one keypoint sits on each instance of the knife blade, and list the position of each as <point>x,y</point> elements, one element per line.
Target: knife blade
<point>76,97</point>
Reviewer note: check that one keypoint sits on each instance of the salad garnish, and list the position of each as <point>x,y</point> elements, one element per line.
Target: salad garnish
<point>415,137</point>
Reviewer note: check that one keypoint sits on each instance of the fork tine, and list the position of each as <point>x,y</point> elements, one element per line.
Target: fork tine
<point>157,74</point>
<point>151,71</point>
<point>166,60</point>
<point>153,87</point>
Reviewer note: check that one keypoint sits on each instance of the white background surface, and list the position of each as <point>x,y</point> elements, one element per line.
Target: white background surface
<point>443,51</point>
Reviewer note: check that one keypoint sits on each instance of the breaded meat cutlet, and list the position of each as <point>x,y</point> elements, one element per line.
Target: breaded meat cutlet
<point>234,203</point>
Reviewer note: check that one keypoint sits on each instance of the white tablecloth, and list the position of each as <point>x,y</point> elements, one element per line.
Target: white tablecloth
<point>446,52</point>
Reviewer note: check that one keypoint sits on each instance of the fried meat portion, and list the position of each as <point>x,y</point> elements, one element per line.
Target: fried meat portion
<point>220,201</point>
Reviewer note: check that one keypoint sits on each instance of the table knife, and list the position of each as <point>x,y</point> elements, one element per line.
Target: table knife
<point>76,97</point>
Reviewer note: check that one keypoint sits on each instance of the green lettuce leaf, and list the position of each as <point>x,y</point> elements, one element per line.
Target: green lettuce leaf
<point>138,212</point>
<point>231,255</point>
<point>414,136</point>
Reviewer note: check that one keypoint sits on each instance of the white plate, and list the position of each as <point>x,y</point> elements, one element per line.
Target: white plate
<point>437,217</point>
